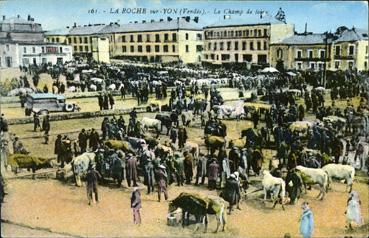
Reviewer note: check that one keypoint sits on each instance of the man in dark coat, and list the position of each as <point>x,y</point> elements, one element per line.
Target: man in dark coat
<point>188,167</point>
<point>101,101</point>
<point>106,102</point>
<point>201,169</point>
<point>231,192</point>
<point>94,139</point>
<point>46,124</point>
<point>213,174</point>
<point>255,118</point>
<point>136,205</point>
<point>82,140</point>
<point>161,178</point>
<point>182,136</point>
<point>36,121</point>
<point>57,148</point>
<point>92,177</point>
<point>111,100</point>
<point>131,170</point>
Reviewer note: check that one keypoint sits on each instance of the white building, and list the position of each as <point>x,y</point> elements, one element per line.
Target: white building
<point>22,43</point>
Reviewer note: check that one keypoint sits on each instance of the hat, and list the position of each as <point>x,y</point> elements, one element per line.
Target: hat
<point>162,166</point>
<point>232,176</point>
<point>135,189</point>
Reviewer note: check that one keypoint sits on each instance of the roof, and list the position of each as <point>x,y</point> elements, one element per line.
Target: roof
<point>303,39</point>
<point>354,34</point>
<point>15,20</point>
<point>87,29</point>
<point>46,95</point>
<point>175,24</point>
<point>246,20</point>
<point>60,31</point>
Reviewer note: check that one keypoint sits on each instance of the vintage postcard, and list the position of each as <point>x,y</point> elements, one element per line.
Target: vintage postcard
<point>159,118</point>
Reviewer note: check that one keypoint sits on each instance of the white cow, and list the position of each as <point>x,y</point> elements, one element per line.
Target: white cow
<point>274,185</point>
<point>340,172</point>
<point>317,176</point>
<point>147,122</point>
<point>80,165</point>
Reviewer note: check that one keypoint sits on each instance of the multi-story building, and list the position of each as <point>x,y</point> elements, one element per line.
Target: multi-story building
<point>346,49</point>
<point>234,41</point>
<point>168,40</point>
<point>22,43</point>
<point>350,50</point>
<point>302,51</point>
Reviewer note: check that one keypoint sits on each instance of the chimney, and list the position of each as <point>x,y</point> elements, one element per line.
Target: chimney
<point>4,17</point>
<point>161,20</point>
<point>130,22</point>
<point>152,20</point>
<point>89,24</point>
<point>67,27</point>
<point>306,27</point>
<point>169,19</point>
<point>74,25</point>
<point>187,18</point>
<point>196,19</point>
<point>143,21</point>
<point>18,16</point>
<point>28,18</point>
<point>136,21</point>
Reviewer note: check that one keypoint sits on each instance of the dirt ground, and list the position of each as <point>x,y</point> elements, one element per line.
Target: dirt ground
<point>50,208</point>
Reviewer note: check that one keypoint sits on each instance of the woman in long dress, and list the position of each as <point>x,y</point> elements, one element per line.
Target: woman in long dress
<point>353,211</point>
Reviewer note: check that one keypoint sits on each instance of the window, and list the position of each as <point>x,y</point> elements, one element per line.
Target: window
<point>148,48</point>
<point>337,50</point>
<point>209,46</point>
<point>157,48</point>
<point>255,32</point>
<point>198,48</point>
<point>166,37</point>
<point>80,48</point>
<point>258,45</point>
<point>131,38</point>
<point>365,65</point>
<point>80,40</point>
<point>165,48</point>
<point>139,48</point>
<point>243,45</point>
<point>279,53</point>
<point>265,45</point>
<point>366,50</point>
<point>259,32</point>
<point>139,38</point>
<point>173,48</point>
<point>124,48</point>
<point>43,49</point>
<point>251,45</point>
<point>187,36</point>
<point>148,38</point>
<point>221,46</point>
<point>236,45</point>
<point>351,50</point>
<point>86,40</point>
<point>247,32</point>
<point>198,36</point>
<point>57,39</point>
<point>310,54</point>
<point>215,46</point>
<point>75,48</point>
<point>174,37</point>
<point>60,49</point>
<point>312,66</point>
<point>265,32</point>
<point>33,50</point>
<point>236,57</point>
<point>225,57</point>
<point>229,45</point>
<point>187,48</point>
<point>320,66</point>
<point>336,64</point>
<point>350,64</point>
<point>7,47</point>
<point>157,38</point>
<point>24,50</point>
<point>86,48</point>
<point>132,49</point>
<point>299,54</point>
<point>123,38</point>
<point>322,54</point>
<point>75,40</point>
<point>298,65</point>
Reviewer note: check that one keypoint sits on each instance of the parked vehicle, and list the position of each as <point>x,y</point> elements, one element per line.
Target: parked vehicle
<point>43,103</point>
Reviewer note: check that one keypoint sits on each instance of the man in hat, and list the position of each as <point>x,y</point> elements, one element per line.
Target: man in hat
<point>213,174</point>
<point>136,205</point>
<point>58,148</point>
<point>131,170</point>
<point>201,169</point>
<point>82,140</point>
<point>36,121</point>
<point>306,221</point>
<point>91,183</point>
<point>46,124</point>
<point>94,139</point>
<point>101,101</point>
<point>161,178</point>
<point>231,192</point>
<point>179,167</point>
<point>188,160</point>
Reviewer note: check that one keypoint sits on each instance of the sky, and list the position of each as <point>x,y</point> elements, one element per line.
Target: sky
<point>320,16</point>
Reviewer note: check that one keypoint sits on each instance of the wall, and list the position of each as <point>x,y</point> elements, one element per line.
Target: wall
<point>100,49</point>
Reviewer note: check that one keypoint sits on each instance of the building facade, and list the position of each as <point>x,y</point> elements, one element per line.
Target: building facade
<point>167,40</point>
<point>302,52</point>
<point>22,43</point>
<point>237,42</point>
